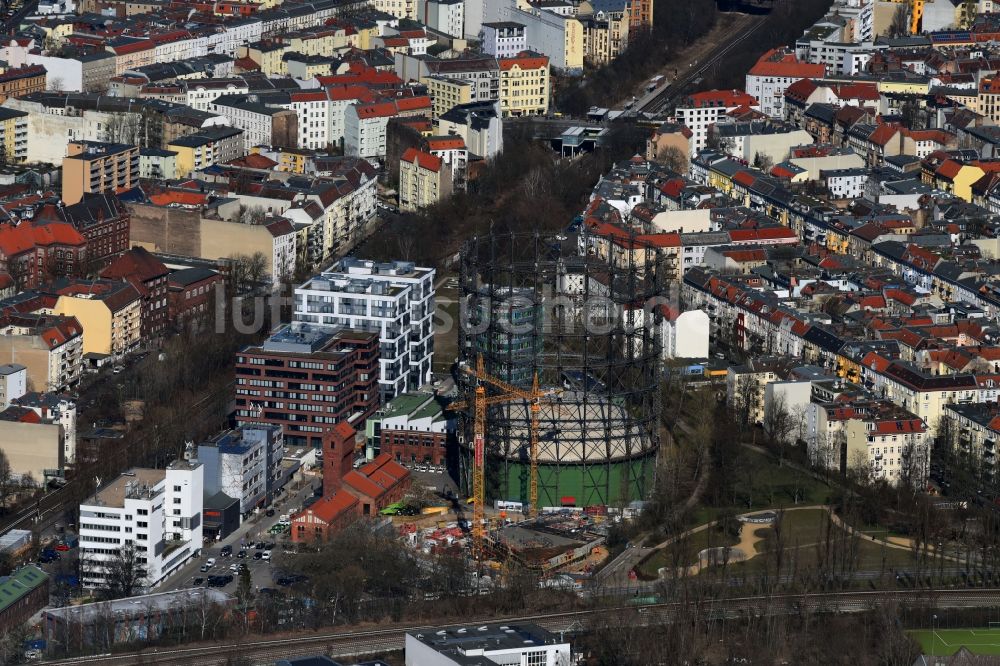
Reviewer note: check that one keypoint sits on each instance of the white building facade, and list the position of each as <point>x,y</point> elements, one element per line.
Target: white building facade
<point>394,299</point>
<point>158,513</point>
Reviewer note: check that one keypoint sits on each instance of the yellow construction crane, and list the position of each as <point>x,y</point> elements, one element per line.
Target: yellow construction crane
<point>510,393</point>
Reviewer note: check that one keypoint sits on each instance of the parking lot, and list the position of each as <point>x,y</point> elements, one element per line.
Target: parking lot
<point>253,531</point>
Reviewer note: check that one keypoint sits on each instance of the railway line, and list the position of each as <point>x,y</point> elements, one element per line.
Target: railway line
<point>382,640</point>
<point>662,102</point>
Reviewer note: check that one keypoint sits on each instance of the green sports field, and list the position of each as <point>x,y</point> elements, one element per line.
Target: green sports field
<point>945,642</point>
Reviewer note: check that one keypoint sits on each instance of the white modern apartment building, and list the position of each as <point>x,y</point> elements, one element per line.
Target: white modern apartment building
<point>395,299</point>
<point>503,39</point>
<point>156,511</point>
<point>244,463</point>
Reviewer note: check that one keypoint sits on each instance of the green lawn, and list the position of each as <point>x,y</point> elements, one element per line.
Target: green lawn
<point>944,642</point>
<point>685,552</point>
<point>804,532</point>
<point>769,486</point>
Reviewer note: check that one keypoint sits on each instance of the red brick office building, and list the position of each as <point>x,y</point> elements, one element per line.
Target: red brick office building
<point>308,379</point>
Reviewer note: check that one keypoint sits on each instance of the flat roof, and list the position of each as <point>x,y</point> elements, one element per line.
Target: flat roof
<point>459,640</point>
<point>113,494</point>
<point>136,607</point>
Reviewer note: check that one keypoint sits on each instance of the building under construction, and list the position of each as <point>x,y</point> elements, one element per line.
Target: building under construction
<point>554,308</point>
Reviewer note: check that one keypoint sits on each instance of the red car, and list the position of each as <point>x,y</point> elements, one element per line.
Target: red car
<point>62,547</point>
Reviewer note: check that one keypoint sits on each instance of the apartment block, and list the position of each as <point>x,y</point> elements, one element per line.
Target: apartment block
<point>21,81</point>
<point>524,84</point>
<point>57,408</point>
<point>92,166</point>
<point>158,512</point>
<point>110,312</point>
<point>14,134</point>
<point>423,180</point>
<point>701,110</point>
<point>244,464</point>
<point>49,346</point>
<point>13,383</point>
<point>306,378</point>
<point>393,299</point>
<point>503,39</point>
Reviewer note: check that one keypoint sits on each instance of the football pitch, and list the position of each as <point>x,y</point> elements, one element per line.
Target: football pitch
<point>944,642</point>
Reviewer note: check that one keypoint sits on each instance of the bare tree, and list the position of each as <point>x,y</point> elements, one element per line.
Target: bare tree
<point>763,161</point>
<point>6,479</point>
<point>778,423</point>
<point>253,215</point>
<point>124,575</point>
<point>900,25</point>
<point>246,273</point>
<point>673,158</point>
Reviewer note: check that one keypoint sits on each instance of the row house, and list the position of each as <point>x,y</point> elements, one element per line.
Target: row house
<point>149,277</point>
<point>32,252</point>
<point>974,430</point>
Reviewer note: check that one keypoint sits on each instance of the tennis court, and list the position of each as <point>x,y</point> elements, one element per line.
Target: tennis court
<point>944,642</point>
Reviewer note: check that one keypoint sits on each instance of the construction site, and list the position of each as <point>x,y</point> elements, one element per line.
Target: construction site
<point>561,363</point>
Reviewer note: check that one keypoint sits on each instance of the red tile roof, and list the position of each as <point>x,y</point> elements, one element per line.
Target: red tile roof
<point>422,159</point>
<point>446,143</point>
<point>720,98</point>
<point>524,61</point>
<point>329,509</point>
<point>782,63</point>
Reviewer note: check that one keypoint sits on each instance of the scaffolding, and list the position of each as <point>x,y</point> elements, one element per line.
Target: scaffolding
<point>579,319</point>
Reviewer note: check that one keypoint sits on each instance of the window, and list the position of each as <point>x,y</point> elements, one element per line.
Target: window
<point>537,658</point>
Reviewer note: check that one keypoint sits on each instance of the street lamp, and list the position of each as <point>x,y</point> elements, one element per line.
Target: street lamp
<point>933,635</point>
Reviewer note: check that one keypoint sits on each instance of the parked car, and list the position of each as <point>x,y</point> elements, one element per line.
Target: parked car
<point>198,582</point>
<point>62,547</point>
<point>266,556</point>
<point>241,554</point>
<point>205,567</point>
<point>210,561</point>
<point>269,512</point>
<point>227,551</point>
<point>258,554</point>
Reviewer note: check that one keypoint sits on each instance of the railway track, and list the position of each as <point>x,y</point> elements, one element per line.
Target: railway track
<point>382,640</point>
<point>671,93</point>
